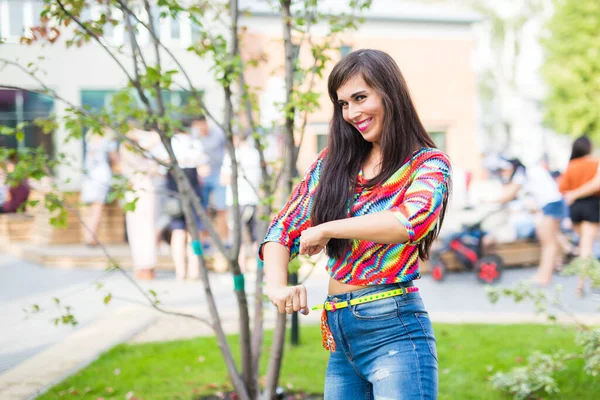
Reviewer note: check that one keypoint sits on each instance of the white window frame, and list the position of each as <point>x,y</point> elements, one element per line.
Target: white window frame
<point>5,20</point>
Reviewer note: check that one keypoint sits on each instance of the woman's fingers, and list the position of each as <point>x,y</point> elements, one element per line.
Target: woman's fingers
<point>291,299</point>
<point>281,306</point>
<point>310,250</point>
<point>295,304</point>
<point>314,250</point>
<point>303,299</point>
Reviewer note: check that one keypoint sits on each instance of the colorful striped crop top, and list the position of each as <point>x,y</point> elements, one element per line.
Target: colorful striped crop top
<point>414,194</point>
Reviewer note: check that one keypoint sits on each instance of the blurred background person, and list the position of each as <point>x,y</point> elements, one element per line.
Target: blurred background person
<point>537,182</point>
<point>584,212</point>
<point>213,192</point>
<point>100,154</point>
<point>14,196</point>
<point>193,160</point>
<point>249,176</point>
<point>512,223</point>
<point>142,172</point>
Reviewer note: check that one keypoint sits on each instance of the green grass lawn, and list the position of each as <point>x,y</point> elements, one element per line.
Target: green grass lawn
<point>186,369</point>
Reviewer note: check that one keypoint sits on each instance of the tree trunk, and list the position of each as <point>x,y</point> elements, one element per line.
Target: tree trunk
<point>240,293</point>
<point>290,144</point>
<point>187,199</point>
<point>276,355</point>
<point>274,368</point>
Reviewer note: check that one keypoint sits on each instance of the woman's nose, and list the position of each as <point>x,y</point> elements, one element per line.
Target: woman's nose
<point>354,113</point>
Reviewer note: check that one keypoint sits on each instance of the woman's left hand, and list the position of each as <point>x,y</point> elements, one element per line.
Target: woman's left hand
<point>313,240</point>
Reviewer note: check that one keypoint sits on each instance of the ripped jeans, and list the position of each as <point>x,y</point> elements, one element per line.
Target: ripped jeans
<point>385,349</point>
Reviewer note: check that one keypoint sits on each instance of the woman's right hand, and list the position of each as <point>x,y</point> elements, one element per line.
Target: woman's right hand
<point>569,198</point>
<point>288,299</point>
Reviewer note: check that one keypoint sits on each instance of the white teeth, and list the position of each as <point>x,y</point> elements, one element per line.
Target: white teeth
<point>364,124</point>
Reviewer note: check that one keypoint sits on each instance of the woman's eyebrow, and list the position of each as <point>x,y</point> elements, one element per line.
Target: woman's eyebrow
<point>353,95</point>
<point>357,93</point>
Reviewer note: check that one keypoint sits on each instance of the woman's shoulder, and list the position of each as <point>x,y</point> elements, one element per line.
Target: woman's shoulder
<point>430,154</point>
<point>582,163</point>
<point>319,161</point>
<point>322,154</point>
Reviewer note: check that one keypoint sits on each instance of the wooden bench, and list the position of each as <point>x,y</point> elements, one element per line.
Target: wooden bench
<point>515,254</point>
<point>110,231</point>
<point>15,227</point>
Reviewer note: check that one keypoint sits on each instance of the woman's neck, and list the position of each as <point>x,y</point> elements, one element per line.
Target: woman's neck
<point>372,164</point>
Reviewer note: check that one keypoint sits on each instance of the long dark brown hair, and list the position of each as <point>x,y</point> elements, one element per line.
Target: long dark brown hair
<point>402,134</point>
<point>582,146</point>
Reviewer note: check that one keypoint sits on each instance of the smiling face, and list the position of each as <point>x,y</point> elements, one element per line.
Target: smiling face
<point>362,107</point>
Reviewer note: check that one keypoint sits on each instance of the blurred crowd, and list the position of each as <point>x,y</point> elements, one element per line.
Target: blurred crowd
<point>158,216</point>
<point>560,209</point>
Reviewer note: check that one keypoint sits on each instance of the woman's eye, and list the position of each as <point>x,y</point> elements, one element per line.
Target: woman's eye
<point>344,105</point>
<point>360,97</point>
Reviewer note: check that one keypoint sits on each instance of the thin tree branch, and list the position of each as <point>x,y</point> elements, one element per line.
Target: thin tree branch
<point>134,47</point>
<point>115,266</point>
<point>96,38</point>
<point>135,83</point>
<point>244,316</point>
<point>183,71</point>
<point>48,91</point>
<point>266,189</point>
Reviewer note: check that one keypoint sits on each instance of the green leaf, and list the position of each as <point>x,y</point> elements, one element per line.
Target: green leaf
<point>6,130</point>
<point>107,298</point>
<point>130,206</point>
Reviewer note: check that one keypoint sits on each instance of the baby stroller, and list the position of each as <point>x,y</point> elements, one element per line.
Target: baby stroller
<point>467,247</point>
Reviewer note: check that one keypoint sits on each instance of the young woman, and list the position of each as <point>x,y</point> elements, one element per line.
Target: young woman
<point>96,181</point>
<point>191,158</point>
<point>543,188</point>
<point>584,212</point>
<point>374,200</point>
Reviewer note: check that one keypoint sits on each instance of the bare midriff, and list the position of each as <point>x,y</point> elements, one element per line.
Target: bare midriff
<point>337,287</point>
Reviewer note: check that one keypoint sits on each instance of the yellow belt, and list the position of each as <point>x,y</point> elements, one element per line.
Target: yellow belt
<point>332,306</point>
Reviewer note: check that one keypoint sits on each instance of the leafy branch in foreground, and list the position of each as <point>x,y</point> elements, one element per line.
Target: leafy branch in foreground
<point>539,372</point>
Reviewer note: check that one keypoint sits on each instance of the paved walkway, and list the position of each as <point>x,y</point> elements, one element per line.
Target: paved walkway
<point>35,354</point>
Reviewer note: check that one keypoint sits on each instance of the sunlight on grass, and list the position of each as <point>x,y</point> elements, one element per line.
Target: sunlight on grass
<point>187,369</point>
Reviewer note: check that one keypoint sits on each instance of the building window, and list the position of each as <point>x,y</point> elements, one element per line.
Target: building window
<point>17,106</point>
<point>98,100</point>
<point>296,50</point>
<point>196,31</point>
<point>175,28</point>
<point>321,142</point>
<point>345,50</point>
<point>156,20</point>
<point>16,18</point>
<point>439,138</point>
<point>37,7</point>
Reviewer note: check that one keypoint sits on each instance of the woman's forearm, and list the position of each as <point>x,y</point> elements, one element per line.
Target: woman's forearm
<point>381,227</point>
<point>587,189</point>
<point>276,258</point>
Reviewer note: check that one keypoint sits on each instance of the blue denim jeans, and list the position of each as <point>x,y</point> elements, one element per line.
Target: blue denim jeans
<point>385,349</point>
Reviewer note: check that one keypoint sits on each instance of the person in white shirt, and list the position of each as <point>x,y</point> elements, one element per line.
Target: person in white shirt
<point>248,160</point>
<point>141,223</point>
<point>539,183</point>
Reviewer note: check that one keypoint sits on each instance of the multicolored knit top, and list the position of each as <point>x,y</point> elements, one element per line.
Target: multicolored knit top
<point>414,194</point>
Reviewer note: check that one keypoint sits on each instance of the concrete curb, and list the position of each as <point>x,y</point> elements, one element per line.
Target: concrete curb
<point>38,373</point>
